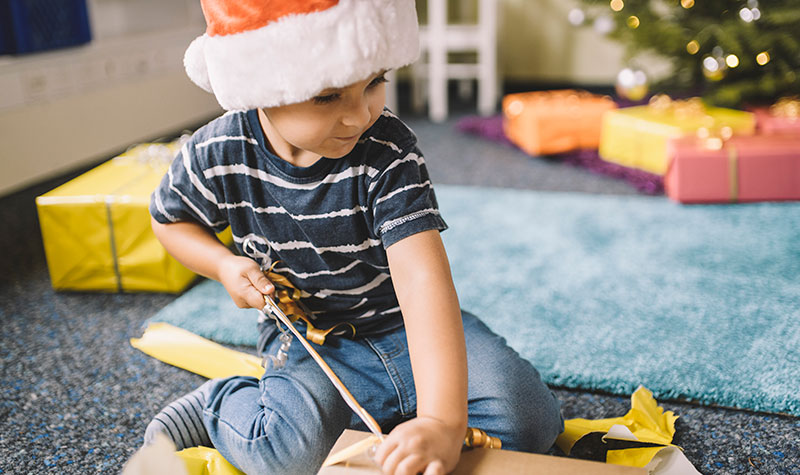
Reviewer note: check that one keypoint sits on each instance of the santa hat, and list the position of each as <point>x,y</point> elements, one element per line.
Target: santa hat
<point>265,53</point>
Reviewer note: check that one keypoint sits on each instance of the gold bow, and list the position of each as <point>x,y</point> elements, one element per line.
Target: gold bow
<point>786,107</point>
<point>288,299</point>
<point>686,108</point>
<point>718,140</point>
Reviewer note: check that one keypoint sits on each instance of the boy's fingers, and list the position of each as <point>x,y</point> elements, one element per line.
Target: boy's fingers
<point>254,298</point>
<point>435,468</point>
<point>260,282</point>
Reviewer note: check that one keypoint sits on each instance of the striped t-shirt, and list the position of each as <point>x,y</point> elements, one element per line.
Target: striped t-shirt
<point>328,225</point>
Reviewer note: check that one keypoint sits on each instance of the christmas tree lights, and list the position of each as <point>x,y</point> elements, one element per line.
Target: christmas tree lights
<point>733,53</point>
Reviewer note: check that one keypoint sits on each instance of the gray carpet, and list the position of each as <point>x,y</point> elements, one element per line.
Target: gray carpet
<point>76,397</point>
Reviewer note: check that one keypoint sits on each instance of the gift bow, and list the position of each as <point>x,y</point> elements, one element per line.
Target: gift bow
<point>718,140</point>
<point>287,297</point>
<point>692,107</point>
<point>786,107</point>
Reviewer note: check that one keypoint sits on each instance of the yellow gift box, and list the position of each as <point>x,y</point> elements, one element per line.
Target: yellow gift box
<point>96,227</point>
<point>637,137</point>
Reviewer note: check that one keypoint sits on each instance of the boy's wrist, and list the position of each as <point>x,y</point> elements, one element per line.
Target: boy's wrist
<point>454,425</point>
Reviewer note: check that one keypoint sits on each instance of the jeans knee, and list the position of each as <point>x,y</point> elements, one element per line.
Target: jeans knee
<point>279,456</point>
<point>277,446</point>
<point>537,428</point>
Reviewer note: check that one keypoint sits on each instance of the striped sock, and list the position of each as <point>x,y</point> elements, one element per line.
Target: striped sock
<point>182,421</point>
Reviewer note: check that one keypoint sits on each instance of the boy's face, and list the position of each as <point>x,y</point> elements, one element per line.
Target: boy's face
<point>328,125</point>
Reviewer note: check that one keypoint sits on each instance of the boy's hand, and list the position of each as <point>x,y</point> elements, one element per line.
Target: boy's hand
<point>421,445</point>
<point>244,281</point>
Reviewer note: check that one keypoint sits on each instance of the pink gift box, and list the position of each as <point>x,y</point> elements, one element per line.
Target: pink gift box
<point>754,168</point>
<point>769,123</point>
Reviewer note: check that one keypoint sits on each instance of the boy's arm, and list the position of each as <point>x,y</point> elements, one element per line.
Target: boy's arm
<point>424,287</point>
<point>200,251</point>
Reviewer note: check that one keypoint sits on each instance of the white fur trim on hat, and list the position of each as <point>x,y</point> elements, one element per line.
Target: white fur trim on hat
<point>294,58</point>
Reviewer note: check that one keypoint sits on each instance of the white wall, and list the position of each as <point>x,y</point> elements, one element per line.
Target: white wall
<point>537,43</point>
<point>63,109</point>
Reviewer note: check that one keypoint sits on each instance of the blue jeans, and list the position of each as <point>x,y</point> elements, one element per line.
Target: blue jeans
<point>288,421</point>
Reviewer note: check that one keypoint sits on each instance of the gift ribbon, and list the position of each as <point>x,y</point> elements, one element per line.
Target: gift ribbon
<point>786,107</point>
<point>286,308</point>
<point>733,172</point>
<point>288,299</point>
<point>692,107</point>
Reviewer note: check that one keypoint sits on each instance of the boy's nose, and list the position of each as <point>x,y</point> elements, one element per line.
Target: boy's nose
<point>357,113</point>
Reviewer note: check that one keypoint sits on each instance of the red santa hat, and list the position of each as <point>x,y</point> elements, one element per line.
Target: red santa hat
<point>265,53</point>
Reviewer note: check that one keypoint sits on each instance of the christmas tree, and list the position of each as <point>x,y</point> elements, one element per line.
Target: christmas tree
<point>733,53</point>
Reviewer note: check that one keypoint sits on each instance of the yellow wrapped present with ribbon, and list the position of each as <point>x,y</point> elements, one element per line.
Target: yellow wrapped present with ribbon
<point>637,137</point>
<point>96,227</point>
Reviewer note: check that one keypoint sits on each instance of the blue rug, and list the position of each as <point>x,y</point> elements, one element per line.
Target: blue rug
<point>606,293</point>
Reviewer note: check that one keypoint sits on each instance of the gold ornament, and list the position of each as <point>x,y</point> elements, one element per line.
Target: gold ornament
<point>632,84</point>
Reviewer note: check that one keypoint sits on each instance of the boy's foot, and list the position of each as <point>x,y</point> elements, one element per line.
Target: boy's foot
<point>182,420</point>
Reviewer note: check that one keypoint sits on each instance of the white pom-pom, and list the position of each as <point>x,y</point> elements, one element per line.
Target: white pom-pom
<point>195,63</point>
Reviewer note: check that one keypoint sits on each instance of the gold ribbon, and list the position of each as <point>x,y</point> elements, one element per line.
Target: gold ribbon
<point>478,438</point>
<point>288,299</point>
<point>787,108</point>
<point>733,172</point>
<point>685,108</point>
<point>719,141</point>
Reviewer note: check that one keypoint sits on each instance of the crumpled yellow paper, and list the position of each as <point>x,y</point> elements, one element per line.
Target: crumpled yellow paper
<point>206,461</point>
<point>646,421</point>
<point>160,458</point>
<point>194,353</point>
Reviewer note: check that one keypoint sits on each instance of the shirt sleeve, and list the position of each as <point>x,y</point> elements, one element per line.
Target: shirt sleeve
<point>403,201</point>
<point>185,194</point>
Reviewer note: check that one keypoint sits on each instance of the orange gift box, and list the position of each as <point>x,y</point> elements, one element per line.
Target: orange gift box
<point>549,122</point>
<point>746,168</point>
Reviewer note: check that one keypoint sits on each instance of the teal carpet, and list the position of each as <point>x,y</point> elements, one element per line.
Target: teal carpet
<point>609,292</point>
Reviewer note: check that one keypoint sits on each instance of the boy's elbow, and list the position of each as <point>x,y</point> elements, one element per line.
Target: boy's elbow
<point>157,228</point>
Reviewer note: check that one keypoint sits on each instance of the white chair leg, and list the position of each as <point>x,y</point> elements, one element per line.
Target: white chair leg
<point>437,60</point>
<point>487,58</point>
<point>466,89</point>
<point>419,88</point>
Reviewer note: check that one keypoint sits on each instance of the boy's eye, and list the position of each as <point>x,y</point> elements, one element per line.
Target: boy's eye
<point>326,99</point>
<point>378,80</point>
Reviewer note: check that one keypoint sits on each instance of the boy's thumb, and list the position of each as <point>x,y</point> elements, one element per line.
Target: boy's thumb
<point>261,283</point>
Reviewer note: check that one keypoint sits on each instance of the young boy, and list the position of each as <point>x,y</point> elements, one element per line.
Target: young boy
<point>318,181</point>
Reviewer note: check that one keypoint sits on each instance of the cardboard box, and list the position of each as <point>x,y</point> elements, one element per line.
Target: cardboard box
<point>550,122</point>
<point>757,168</point>
<point>485,462</point>
<point>96,227</point>
<point>637,137</point>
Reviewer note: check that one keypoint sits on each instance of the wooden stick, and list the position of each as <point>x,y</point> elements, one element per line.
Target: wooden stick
<point>365,416</point>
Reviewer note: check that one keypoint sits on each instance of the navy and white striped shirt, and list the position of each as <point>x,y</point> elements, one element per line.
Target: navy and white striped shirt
<point>328,224</point>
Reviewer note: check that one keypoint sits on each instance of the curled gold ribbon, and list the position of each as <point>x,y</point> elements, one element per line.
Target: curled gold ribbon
<point>288,299</point>
<point>478,438</point>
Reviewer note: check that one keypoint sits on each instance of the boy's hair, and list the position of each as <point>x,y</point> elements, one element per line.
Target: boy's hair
<point>266,53</point>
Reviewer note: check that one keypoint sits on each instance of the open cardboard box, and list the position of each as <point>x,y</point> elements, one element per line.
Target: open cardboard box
<point>483,462</point>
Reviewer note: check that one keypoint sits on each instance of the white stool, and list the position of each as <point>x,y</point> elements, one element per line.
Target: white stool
<point>437,39</point>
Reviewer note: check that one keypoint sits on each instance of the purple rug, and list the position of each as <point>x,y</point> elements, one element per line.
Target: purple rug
<point>491,128</point>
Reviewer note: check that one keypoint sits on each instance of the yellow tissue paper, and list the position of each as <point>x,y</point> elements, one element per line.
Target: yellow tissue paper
<point>206,461</point>
<point>645,423</point>
<point>188,351</point>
